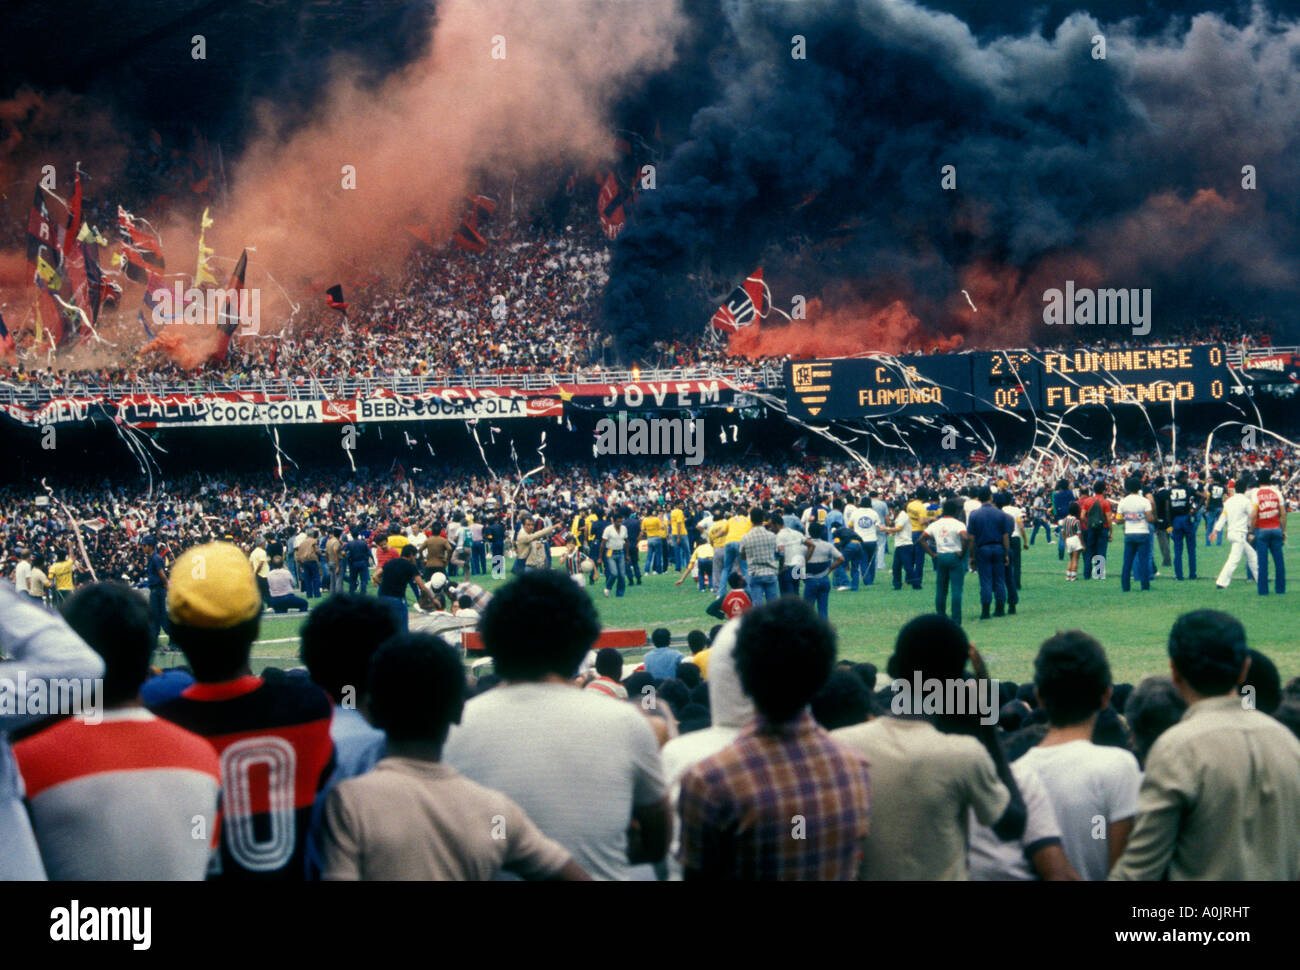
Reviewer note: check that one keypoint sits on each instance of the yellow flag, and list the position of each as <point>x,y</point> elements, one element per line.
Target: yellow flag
<point>203,272</point>
<point>38,321</point>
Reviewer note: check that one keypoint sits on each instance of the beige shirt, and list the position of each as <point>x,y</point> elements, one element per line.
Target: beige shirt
<point>1220,799</point>
<point>924,784</point>
<point>420,820</point>
<point>259,561</point>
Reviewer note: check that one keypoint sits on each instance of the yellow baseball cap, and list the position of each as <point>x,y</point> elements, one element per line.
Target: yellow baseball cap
<point>212,586</point>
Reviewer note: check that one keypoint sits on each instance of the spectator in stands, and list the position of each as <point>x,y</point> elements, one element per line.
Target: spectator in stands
<point>279,583</point>
<point>661,659</point>
<point>1088,784</point>
<point>215,611</point>
<point>1221,794</point>
<point>413,817</point>
<point>583,769</point>
<point>918,772</point>
<point>736,807</point>
<point>698,644</point>
<point>40,646</point>
<point>120,796</point>
<point>1152,708</point>
<point>842,701</point>
<point>609,674</point>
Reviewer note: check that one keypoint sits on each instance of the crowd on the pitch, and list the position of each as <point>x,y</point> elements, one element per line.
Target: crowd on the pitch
<point>756,756</point>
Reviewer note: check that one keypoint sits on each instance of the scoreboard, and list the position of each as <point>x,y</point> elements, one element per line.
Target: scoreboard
<point>1004,380</point>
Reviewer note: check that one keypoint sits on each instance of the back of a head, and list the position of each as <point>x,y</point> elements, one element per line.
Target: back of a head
<point>757,516</point>
<point>417,687</point>
<point>1099,488</point>
<point>689,674</point>
<point>784,654</point>
<point>114,621</point>
<point>696,641</point>
<point>1208,649</point>
<point>842,701</point>
<point>661,637</point>
<point>1264,477</point>
<point>1002,499</point>
<point>1132,484</point>
<point>338,640</point>
<point>931,645</point>
<point>1071,674</point>
<point>215,608</point>
<point>952,508</point>
<point>1153,707</point>
<point>538,624</point>
<point>609,663</point>
<point>1264,683</point>
<point>984,494</point>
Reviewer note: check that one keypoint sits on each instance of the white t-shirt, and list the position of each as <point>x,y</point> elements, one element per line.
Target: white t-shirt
<point>946,533</point>
<point>1090,785</point>
<point>1234,520</point>
<point>790,544</point>
<point>279,582</point>
<point>21,572</point>
<point>865,522</point>
<point>36,582</point>
<point>993,860</point>
<point>1133,510</point>
<point>615,539</point>
<point>1017,513</point>
<point>903,522</point>
<point>970,505</point>
<point>574,762</point>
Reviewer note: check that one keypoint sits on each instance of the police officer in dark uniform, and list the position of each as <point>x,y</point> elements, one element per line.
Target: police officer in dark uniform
<point>1183,503</point>
<point>990,531</point>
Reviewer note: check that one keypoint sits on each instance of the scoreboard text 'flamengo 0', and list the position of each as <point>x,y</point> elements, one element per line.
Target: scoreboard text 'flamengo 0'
<point>1004,380</point>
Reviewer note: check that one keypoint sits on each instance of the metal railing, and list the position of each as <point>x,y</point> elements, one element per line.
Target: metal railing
<point>766,376</point>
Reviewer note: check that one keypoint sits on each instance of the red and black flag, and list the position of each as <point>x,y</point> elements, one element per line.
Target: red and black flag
<point>145,243</point>
<point>467,236</point>
<point>40,230</point>
<point>746,305</point>
<point>611,206</point>
<point>483,206</point>
<point>334,297</point>
<point>228,317</point>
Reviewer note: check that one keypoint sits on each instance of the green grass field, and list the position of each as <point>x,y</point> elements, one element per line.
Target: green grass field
<point>1133,627</point>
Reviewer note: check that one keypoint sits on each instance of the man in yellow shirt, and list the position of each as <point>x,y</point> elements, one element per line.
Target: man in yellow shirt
<point>656,536</point>
<point>738,526</point>
<point>61,574</point>
<point>918,517</point>
<point>718,540</point>
<point>677,530</point>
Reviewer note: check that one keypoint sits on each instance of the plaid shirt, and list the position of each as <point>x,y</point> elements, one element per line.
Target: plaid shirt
<point>758,547</point>
<point>785,803</point>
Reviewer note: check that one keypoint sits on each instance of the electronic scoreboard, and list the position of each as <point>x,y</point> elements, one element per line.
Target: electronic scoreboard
<point>1004,380</point>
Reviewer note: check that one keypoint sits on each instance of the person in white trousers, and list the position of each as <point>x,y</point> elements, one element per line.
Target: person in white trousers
<point>1235,521</point>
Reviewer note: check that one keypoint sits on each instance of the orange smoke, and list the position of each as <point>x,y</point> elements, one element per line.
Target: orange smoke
<point>189,346</point>
<point>840,332</point>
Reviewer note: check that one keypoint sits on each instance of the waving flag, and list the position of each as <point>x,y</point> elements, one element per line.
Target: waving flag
<point>611,206</point>
<point>146,244</point>
<point>203,274</point>
<point>228,318</point>
<point>334,297</point>
<point>746,305</point>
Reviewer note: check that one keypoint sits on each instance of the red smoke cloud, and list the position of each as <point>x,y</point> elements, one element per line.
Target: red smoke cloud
<point>417,143</point>
<point>845,330</point>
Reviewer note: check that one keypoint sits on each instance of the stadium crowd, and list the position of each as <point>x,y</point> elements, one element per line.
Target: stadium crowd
<point>528,304</point>
<point>759,756</point>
